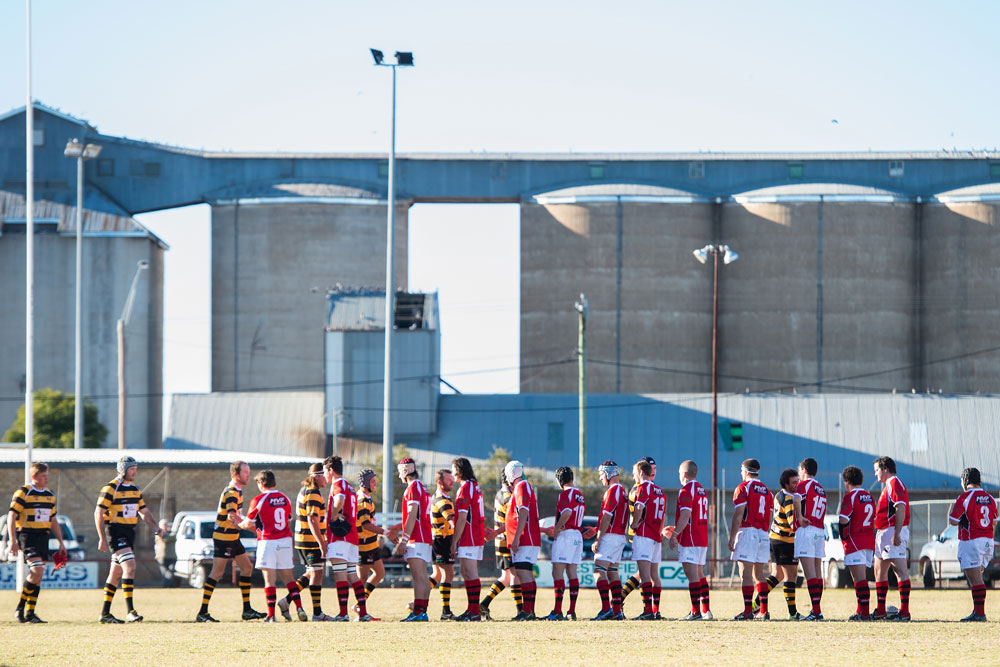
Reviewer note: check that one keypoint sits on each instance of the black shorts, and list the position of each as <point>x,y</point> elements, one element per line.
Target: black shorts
<point>122,537</point>
<point>505,563</point>
<point>441,549</point>
<point>34,545</point>
<point>228,549</point>
<point>369,557</point>
<point>783,553</point>
<point>311,557</point>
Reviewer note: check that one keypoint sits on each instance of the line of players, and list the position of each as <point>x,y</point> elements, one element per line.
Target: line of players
<point>786,528</point>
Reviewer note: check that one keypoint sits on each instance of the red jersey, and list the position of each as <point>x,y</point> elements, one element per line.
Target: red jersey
<point>272,511</point>
<point>858,509</point>
<point>615,503</point>
<point>755,499</point>
<point>813,498</point>
<point>975,510</point>
<point>470,501</point>
<point>341,488</point>
<point>572,501</point>
<point>893,492</point>
<point>692,497</point>
<point>523,496</point>
<point>651,497</point>
<point>416,494</point>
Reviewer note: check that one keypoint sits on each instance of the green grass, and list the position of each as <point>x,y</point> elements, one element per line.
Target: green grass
<point>169,637</point>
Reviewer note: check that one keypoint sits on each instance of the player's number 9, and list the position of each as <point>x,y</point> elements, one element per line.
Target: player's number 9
<point>280,520</point>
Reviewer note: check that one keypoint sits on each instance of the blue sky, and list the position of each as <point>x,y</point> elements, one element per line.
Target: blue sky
<point>517,76</point>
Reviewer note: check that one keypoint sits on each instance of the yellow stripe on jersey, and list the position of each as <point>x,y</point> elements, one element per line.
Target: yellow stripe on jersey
<point>442,511</point>
<point>308,503</point>
<point>367,540</point>
<point>632,495</point>
<point>121,502</point>
<point>231,500</point>
<point>783,523</point>
<point>33,509</point>
<point>500,504</point>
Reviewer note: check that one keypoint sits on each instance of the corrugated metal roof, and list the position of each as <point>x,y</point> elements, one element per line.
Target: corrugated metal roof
<point>286,422</point>
<point>866,156</point>
<point>14,456</point>
<point>55,112</point>
<point>363,309</point>
<point>95,223</point>
<point>819,189</point>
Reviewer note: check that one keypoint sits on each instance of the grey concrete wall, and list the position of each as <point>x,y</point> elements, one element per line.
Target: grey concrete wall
<point>108,266</point>
<point>271,268</point>
<point>961,288</point>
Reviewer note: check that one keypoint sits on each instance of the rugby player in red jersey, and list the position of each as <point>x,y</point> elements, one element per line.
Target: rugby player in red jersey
<point>523,536</point>
<point>690,538</point>
<point>748,539</point>
<point>271,514</point>
<point>415,540</point>
<point>892,539</point>
<point>567,544</point>
<point>857,533</point>
<point>975,514</point>
<point>647,545</point>
<point>470,534</point>
<point>610,543</point>
<point>342,547</point>
<point>810,536</point>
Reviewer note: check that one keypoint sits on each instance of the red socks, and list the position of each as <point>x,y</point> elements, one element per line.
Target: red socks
<point>704,595</point>
<point>647,597</point>
<point>361,596</point>
<point>574,592</point>
<point>293,593</point>
<point>528,591</point>
<point>271,593</point>
<point>979,600</point>
<point>656,598</point>
<point>616,596</point>
<point>560,588</point>
<point>815,594</point>
<point>603,588</point>
<point>472,589</point>
<point>343,592</point>
<point>762,591</point>
<point>881,591</point>
<point>747,600</point>
<point>863,594</point>
<point>904,598</point>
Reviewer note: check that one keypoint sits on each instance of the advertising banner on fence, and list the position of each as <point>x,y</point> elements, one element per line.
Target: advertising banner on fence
<point>671,573</point>
<point>76,574</point>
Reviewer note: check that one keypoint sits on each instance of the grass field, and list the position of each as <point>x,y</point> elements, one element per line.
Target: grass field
<point>169,637</point>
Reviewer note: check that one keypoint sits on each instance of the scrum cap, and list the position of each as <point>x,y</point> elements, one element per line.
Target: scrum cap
<point>609,468</point>
<point>513,470</point>
<point>124,463</point>
<point>407,466</point>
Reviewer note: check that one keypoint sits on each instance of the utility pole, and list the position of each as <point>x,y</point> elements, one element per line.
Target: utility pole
<point>582,308</point>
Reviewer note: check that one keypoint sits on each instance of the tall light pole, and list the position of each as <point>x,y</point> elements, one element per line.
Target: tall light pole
<point>126,315</point>
<point>582,310</point>
<point>728,257</point>
<point>403,59</point>
<point>74,149</point>
<point>29,282</point>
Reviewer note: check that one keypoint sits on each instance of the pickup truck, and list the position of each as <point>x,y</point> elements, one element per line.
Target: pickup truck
<point>194,548</point>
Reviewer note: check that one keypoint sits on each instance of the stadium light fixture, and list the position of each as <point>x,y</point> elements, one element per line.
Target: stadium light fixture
<point>701,254</point>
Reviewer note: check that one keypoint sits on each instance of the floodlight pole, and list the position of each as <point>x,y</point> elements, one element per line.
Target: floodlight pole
<point>120,331</point>
<point>390,261</point>
<point>29,219</point>
<point>582,309</point>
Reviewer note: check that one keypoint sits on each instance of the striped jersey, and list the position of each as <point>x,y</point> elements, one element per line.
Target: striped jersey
<point>442,514</point>
<point>231,500</point>
<point>500,504</point>
<point>34,509</point>
<point>783,521</point>
<point>121,501</point>
<point>367,540</point>
<point>632,495</point>
<point>308,503</point>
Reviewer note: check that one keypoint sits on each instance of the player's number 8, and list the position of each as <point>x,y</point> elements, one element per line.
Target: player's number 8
<point>279,518</point>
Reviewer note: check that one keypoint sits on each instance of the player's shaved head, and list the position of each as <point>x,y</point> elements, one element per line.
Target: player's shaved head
<point>689,468</point>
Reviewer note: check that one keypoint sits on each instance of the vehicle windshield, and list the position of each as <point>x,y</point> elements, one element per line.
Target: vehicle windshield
<point>208,527</point>
<point>950,533</point>
<point>67,532</point>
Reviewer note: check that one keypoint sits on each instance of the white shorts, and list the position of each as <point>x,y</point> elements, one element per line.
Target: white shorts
<point>470,553</point>
<point>525,555</point>
<point>884,548</point>
<point>810,542</point>
<point>420,550</point>
<point>611,549</point>
<point>344,551</point>
<point>275,554</point>
<point>752,546</point>
<point>568,547</point>
<point>695,555</point>
<point>975,553</point>
<point>646,549</point>
<point>862,557</point>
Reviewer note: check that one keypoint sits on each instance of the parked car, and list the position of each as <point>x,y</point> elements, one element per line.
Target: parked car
<point>545,553</point>
<point>70,539</point>
<point>939,560</point>
<point>194,547</point>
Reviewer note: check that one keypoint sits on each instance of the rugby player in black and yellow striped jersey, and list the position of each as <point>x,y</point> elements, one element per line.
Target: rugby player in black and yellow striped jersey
<point>119,506</point>
<point>443,528</point>
<point>500,504</point>
<point>310,541</point>
<point>31,516</point>
<point>370,567</point>
<point>782,538</point>
<point>226,540</point>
